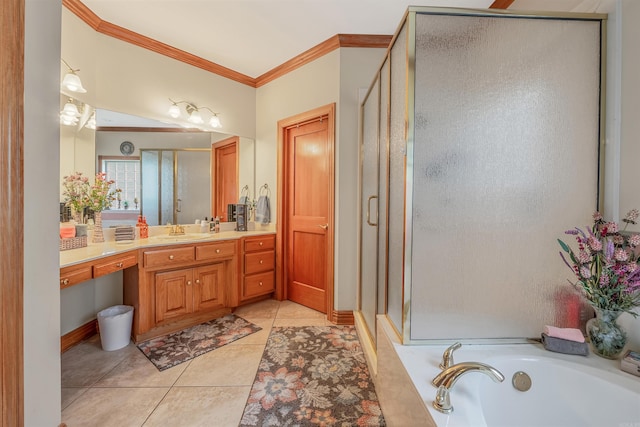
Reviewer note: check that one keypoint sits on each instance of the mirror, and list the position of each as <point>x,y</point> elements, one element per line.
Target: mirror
<point>128,136</point>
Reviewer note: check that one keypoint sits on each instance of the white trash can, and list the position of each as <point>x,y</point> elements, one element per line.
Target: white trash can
<point>115,326</point>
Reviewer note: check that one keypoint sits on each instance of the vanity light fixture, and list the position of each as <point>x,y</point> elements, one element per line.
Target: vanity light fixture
<point>70,114</point>
<point>193,113</point>
<point>71,80</point>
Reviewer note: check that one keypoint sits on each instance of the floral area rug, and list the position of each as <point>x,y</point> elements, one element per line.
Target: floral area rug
<point>313,376</point>
<point>170,350</point>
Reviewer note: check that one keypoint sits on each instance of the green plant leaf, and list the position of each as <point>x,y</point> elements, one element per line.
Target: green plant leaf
<point>564,246</point>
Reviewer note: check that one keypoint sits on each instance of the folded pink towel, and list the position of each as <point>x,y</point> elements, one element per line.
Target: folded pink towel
<point>570,334</point>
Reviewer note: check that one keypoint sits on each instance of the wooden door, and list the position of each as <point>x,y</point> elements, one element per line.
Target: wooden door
<point>309,193</point>
<point>208,290</point>
<point>225,176</point>
<point>174,294</point>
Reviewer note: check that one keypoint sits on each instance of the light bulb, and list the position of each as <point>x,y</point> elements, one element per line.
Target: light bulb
<point>72,82</point>
<point>195,117</point>
<point>214,122</point>
<point>174,111</point>
<point>70,109</point>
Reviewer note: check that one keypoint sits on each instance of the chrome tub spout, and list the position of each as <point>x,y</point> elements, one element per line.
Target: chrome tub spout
<point>446,379</point>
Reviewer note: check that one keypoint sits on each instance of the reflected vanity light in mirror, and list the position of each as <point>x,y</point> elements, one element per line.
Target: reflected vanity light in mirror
<point>193,113</point>
<point>71,80</point>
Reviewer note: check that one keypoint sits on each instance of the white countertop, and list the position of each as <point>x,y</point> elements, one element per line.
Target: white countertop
<point>158,236</point>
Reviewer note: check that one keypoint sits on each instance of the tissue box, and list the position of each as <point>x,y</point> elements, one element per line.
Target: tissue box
<point>631,362</point>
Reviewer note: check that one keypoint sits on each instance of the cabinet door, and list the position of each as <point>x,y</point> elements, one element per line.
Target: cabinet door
<point>208,292</point>
<point>174,294</point>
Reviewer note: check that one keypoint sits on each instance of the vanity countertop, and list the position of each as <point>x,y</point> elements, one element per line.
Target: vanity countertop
<point>110,247</point>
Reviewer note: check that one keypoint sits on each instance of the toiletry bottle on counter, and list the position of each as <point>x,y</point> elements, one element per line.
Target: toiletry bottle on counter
<point>204,226</point>
<point>144,228</point>
<point>216,227</point>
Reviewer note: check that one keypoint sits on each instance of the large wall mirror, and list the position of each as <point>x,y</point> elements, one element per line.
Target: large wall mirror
<point>165,173</point>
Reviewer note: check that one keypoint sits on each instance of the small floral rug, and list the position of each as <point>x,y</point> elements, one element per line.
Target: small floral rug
<point>313,376</point>
<point>171,350</point>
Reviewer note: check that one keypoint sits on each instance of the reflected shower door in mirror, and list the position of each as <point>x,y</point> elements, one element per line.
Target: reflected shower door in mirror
<point>175,185</point>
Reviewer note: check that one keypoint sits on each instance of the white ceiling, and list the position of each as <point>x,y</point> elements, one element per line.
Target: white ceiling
<point>254,36</point>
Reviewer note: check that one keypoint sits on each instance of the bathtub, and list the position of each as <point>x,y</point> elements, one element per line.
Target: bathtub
<point>566,391</point>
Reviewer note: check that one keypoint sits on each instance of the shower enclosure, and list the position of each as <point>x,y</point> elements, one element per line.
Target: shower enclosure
<point>175,185</point>
<point>481,137</point>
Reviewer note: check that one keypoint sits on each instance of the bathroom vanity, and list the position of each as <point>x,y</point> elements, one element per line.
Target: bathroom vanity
<point>177,282</point>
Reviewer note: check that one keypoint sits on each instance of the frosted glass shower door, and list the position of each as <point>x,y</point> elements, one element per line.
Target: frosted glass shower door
<point>176,185</point>
<point>505,158</point>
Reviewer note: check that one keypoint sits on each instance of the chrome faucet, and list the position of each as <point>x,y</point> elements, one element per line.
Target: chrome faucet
<point>176,230</point>
<point>447,356</point>
<point>446,379</point>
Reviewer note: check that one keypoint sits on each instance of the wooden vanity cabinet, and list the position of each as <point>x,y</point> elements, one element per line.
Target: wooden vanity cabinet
<point>258,272</point>
<point>189,290</point>
<point>178,286</point>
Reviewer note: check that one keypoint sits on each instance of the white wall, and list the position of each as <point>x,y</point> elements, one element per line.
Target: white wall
<point>41,187</point>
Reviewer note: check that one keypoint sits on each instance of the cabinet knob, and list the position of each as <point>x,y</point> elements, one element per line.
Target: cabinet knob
<point>260,243</point>
<point>119,265</point>
<point>217,251</point>
<point>64,281</point>
<point>261,262</point>
<point>260,283</point>
<point>170,256</point>
<point>198,281</point>
<point>189,282</point>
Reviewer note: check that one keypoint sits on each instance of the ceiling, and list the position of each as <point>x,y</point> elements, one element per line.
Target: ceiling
<point>253,37</point>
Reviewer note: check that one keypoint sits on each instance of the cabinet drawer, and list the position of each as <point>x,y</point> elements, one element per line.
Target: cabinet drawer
<point>168,257</point>
<point>73,277</point>
<point>113,265</point>
<point>258,284</point>
<point>259,261</point>
<point>216,250</point>
<point>261,243</point>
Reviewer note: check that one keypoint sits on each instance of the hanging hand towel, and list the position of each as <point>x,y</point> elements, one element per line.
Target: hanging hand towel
<point>244,200</point>
<point>263,210</point>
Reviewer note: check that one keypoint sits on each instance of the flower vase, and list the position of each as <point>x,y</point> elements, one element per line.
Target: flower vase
<point>98,236</point>
<point>607,337</point>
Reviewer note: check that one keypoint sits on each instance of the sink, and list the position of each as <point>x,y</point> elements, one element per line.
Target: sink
<point>182,237</point>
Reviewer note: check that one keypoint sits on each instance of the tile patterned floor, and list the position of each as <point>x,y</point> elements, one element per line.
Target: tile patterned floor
<point>122,388</point>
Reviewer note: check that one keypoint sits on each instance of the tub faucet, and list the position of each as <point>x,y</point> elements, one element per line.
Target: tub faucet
<point>447,356</point>
<point>446,379</point>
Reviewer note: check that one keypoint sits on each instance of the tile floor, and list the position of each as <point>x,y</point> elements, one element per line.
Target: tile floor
<point>122,388</point>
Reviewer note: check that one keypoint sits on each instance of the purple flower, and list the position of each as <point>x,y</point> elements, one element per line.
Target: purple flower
<point>604,280</point>
<point>634,240</point>
<point>585,272</point>
<point>597,216</point>
<point>611,227</point>
<point>584,257</point>
<point>608,253</point>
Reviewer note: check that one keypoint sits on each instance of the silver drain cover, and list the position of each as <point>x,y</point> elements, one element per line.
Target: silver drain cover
<point>521,381</point>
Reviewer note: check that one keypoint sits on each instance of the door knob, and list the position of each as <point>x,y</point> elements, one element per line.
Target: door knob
<point>324,226</point>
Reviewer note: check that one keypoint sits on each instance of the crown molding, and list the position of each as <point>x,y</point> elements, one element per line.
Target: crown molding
<point>501,4</point>
<point>146,129</point>
<point>331,44</point>
<point>340,40</point>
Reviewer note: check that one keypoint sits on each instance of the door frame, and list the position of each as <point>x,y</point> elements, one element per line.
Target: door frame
<point>282,223</point>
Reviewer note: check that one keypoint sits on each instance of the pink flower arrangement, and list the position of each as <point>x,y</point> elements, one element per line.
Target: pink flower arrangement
<point>100,193</point>
<point>80,194</point>
<point>606,263</point>
<point>76,191</point>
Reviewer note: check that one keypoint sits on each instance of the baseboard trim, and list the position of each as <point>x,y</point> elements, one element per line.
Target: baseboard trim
<point>78,335</point>
<point>343,317</point>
